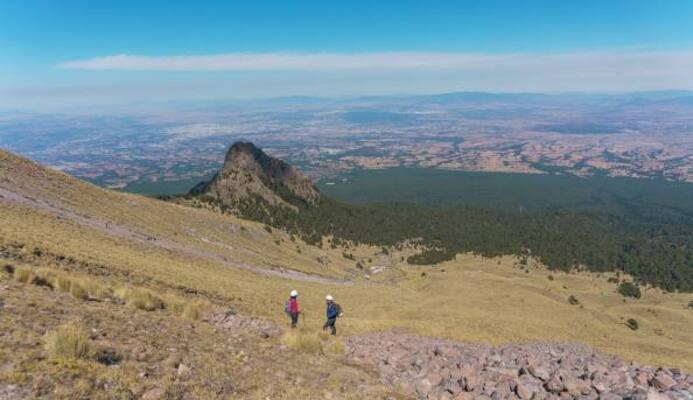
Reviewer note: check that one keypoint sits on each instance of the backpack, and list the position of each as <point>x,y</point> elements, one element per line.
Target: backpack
<point>339,310</point>
<point>286,307</point>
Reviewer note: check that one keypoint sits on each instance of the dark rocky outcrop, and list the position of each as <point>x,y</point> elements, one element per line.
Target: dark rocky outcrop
<point>249,174</point>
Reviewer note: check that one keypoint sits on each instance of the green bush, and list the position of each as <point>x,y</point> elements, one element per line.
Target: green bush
<point>632,324</point>
<point>629,289</point>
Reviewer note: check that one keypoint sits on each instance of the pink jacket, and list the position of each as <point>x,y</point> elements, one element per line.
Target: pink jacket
<point>293,305</point>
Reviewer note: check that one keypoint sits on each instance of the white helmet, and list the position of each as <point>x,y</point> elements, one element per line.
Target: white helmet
<point>329,297</point>
<point>294,293</point>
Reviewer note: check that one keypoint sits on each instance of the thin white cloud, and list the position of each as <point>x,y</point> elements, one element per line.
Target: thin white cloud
<point>587,64</point>
<point>286,61</point>
<point>349,74</point>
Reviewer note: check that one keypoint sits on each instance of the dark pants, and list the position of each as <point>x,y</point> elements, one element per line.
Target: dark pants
<point>331,324</point>
<point>294,319</point>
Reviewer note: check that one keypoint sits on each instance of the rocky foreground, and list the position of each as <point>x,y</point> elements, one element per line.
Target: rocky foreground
<point>439,369</point>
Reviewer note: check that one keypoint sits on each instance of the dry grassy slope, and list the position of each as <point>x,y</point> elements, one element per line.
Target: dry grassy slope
<point>221,364</point>
<point>475,299</point>
<point>224,235</point>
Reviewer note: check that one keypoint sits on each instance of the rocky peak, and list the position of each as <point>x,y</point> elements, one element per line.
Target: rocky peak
<point>250,174</point>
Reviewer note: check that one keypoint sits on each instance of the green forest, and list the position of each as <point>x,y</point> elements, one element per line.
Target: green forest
<point>641,227</point>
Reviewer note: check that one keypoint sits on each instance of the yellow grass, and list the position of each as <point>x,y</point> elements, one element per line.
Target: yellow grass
<point>302,340</point>
<point>474,300</point>
<point>68,341</point>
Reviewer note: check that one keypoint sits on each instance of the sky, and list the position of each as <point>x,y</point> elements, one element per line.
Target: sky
<point>80,53</point>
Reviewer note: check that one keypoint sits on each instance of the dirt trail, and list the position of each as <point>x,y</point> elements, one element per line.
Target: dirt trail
<point>7,195</point>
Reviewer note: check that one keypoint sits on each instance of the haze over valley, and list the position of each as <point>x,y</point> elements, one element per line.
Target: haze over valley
<point>642,135</point>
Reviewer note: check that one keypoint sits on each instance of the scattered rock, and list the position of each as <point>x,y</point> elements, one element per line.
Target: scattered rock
<point>538,372</point>
<point>663,381</point>
<point>153,394</point>
<point>523,391</point>
<point>442,369</point>
<point>183,371</point>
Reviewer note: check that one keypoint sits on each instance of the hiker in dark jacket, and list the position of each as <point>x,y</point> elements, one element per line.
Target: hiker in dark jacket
<point>292,308</point>
<point>333,312</point>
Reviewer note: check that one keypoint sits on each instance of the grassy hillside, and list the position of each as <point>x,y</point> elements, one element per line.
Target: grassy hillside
<point>50,220</point>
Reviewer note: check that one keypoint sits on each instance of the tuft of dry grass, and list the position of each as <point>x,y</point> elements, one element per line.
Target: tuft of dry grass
<point>68,341</point>
<point>140,299</point>
<point>78,292</point>
<point>23,275</point>
<point>81,288</point>
<point>303,340</point>
<point>335,346</point>
<point>63,284</point>
<point>193,311</point>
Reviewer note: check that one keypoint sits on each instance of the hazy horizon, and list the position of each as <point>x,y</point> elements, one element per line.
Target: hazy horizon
<point>83,53</point>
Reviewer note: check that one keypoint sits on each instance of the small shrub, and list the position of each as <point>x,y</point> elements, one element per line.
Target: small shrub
<point>108,356</point>
<point>573,300</point>
<point>37,252</point>
<point>9,268</point>
<point>690,304</point>
<point>41,281</point>
<point>268,228</point>
<point>68,341</point>
<point>550,277</point>
<point>632,324</point>
<point>612,279</point>
<point>629,289</point>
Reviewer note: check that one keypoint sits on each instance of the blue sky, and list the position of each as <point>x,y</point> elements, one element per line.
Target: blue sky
<point>87,52</point>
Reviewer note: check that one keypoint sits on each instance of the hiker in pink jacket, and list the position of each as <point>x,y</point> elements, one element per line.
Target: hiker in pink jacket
<point>292,308</point>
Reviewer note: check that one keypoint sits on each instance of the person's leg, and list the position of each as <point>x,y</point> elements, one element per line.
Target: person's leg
<point>294,319</point>
<point>333,326</point>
